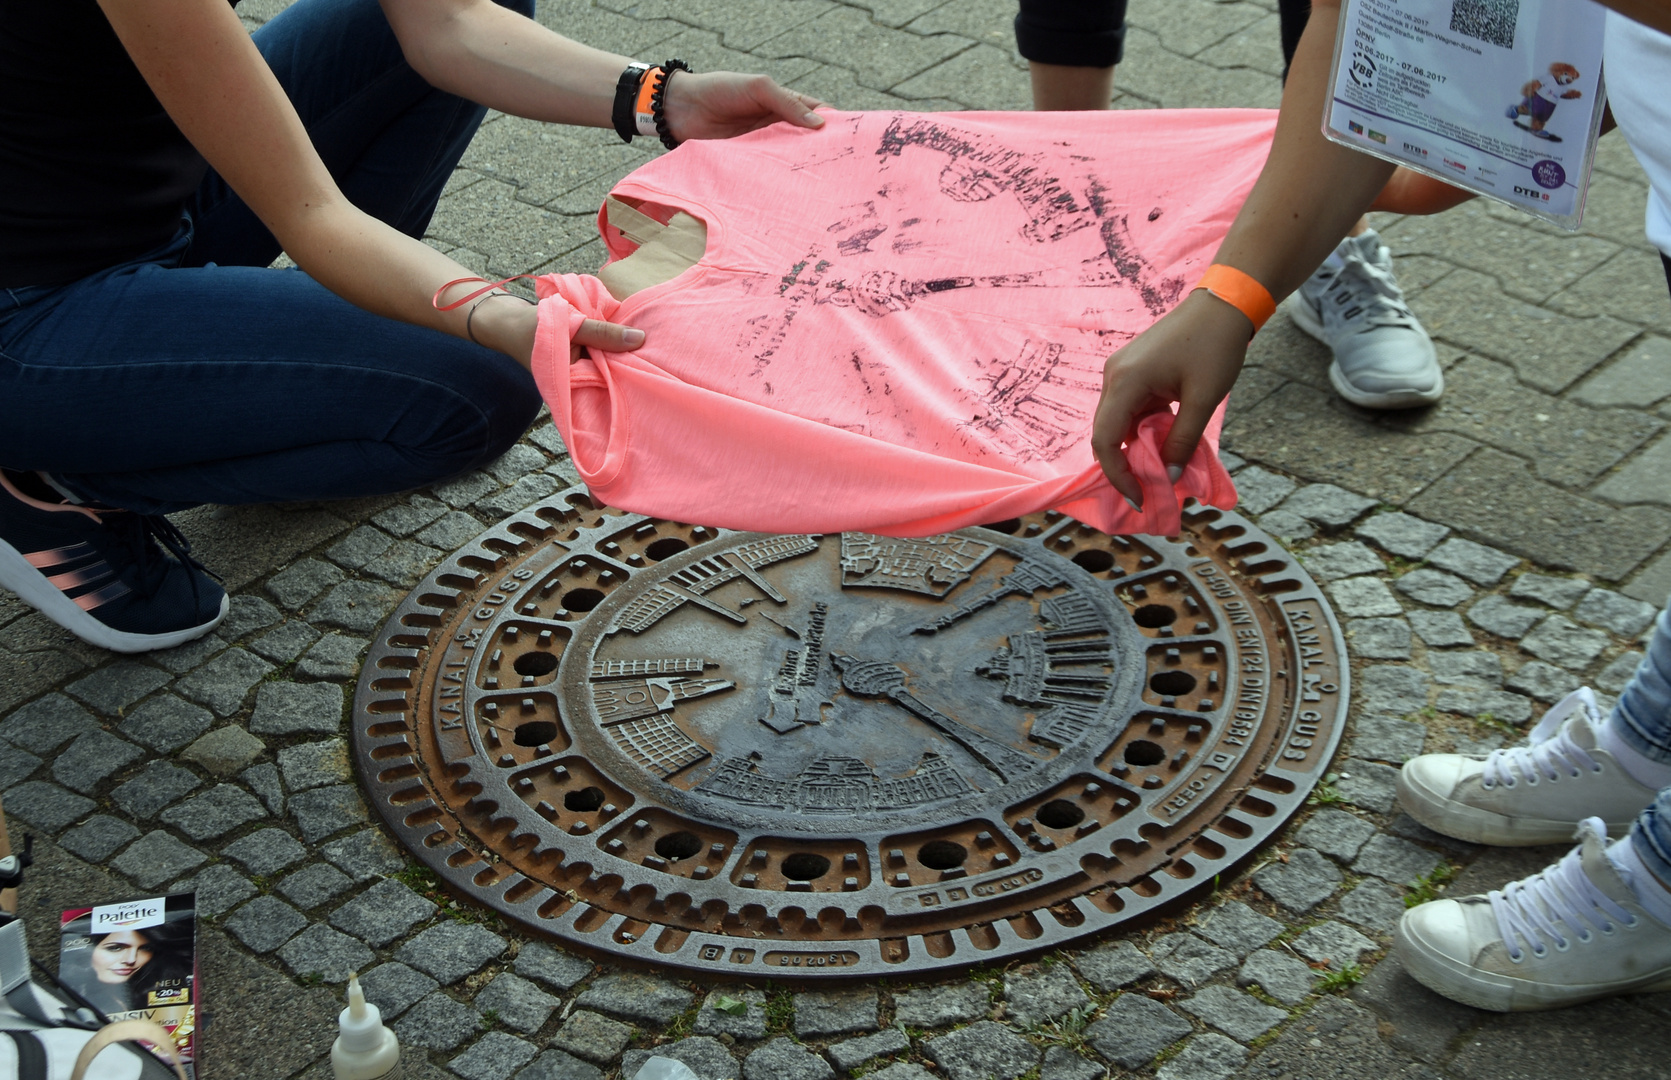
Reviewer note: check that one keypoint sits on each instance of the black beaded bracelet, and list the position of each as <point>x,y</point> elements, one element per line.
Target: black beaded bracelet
<point>626,97</point>
<point>658,100</point>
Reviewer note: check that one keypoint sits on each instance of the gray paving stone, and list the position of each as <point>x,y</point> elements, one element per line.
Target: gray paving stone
<point>1300,884</point>
<point>982,1051</point>
<point>1561,642</point>
<point>225,750</point>
<point>519,1003</point>
<point>98,838</point>
<point>1208,1056</point>
<point>383,913</point>
<point>1478,668</point>
<point>452,531</point>
<point>437,1022</point>
<point>495,1056</point>
<point>1476,562</point>
<point>834,1012</point>
<point>1278,974</point>
<point>1497,616</point>
<point>1364,598</point>
<point>1617,675</point>
<point>1392,689</point>
<point>1333,832</point>
<point>311,765</point>
<point>285,643</point>
<point>364,855</point>
<point>1134,1029</point>
<point>92,759</point>
<point>1639,375</point>
<point>222,684</point>
<point>357,606</point>
<point>783,1059</point>
<point>1395,860</point>
<point>1440,629</point>
<point>359,547</point>
<point>1240,1015</point>
<point>1434,587</point>
<point>1368,784</point>
<point>1542,681</point>
<point>515,463</point>
<point>334,658</point>
<point>300,582</point>
<point>1402,535</point>
<point>16,766</point>
<point>1557,592</point>
<point>593,1037</point>
<point>314,885</point>
<point>183,658</point>
<point>263,779</point>
<point>1386,738</point>
<point>518,496</point>
<point>1329,506</point>
<point>406,518</point>
<point>47,723</point>
<point>214,813</point>
<point>951,1003</point>
<point>118,684</point>
<point>1378,639</point>
<point>265,923</point>
<point>1034,993</point>
<point>851,1054</point>
<point>451,950</point>
<point>1331,562</point>
<point>245,615</point>
<point>463,490</point>
<point>1258,490</point>
<point>553,967</point>
<point>404,563</point>
<point>1611,611</point>
<point>556,1065</point>
<point>393,987</point>
<point>1188,959</point>
<point>1333,943</point>
<point>1374,906</point>
<point>155,786</point>
<point>266,851</point>
<point>46,806</point>
<point>285,708</point>
<point>1236,927</point>
<point>165,723</point>
<point>1287,526</point>
<point>323,811</point>
<point>710,1020</point>
<point>321,951</point>
<point>1060,1063</point>
<point>903,1070</point>
<point>219,889</point>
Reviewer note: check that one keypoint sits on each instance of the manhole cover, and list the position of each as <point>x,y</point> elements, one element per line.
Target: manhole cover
<point>845,754</point>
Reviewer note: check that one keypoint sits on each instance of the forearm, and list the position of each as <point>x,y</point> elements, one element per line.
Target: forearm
<point>1311,191</point>
<point>495,57</point>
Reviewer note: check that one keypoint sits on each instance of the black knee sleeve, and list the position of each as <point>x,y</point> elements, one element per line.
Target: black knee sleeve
<point>1073,33</point>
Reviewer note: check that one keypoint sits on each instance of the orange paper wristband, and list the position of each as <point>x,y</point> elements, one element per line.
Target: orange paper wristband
<point>1240,291</point>
<point>644,113</point>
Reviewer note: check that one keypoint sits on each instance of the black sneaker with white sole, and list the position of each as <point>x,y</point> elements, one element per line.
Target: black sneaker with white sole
<point>103,574</point>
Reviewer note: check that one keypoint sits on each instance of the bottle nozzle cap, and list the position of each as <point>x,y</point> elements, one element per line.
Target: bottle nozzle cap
<point>361,1023</point>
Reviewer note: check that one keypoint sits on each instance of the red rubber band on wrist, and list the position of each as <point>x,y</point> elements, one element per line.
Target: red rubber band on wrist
<point>1241,291</point>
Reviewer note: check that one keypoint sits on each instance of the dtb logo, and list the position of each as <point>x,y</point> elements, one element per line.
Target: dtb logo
<point>1531,193</point>
<point>1412,148</point>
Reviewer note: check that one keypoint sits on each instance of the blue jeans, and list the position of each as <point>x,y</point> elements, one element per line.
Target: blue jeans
<point>1643,718</point>
<point>194,374</point>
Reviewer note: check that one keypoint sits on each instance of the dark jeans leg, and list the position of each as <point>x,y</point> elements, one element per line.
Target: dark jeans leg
<point>1073,33</point>
<point>1666,260</point>
<point>1292,16</point>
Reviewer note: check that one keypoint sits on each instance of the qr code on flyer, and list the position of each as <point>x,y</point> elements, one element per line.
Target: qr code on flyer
<point>1491,21</point>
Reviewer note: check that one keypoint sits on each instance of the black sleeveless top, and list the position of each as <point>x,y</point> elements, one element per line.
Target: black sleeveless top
<point>92,170</point>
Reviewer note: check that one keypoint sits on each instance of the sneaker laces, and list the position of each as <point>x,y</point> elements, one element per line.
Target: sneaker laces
<point>146,537</point>
<point>1364,291</point>
<point>1528,910</point>
<point>1550,750</point>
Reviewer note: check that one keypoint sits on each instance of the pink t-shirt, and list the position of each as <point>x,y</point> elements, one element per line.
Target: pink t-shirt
<point>901,319</point>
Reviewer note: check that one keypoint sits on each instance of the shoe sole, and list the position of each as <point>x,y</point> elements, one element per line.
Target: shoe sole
<point>1453,979</point>
<point>34,589</point>
<point>1462,822</point>
<point>1302,317</point>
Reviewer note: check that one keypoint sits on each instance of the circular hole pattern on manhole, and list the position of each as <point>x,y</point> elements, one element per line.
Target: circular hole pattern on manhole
<point>535,664</point>
<point>842,755</point>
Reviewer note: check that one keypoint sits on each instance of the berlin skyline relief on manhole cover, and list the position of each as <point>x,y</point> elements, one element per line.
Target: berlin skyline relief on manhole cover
<point>846,754</point>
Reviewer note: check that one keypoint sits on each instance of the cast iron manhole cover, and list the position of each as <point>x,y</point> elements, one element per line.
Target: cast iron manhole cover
<point>845,754</point>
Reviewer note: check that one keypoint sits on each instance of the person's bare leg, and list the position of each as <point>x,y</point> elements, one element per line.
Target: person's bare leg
<point>1059,88</point>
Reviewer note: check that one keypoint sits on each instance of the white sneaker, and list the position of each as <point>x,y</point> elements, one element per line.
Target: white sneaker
<point>1383,359</point>
<point>1531,794</point>
<point>1573,933</point>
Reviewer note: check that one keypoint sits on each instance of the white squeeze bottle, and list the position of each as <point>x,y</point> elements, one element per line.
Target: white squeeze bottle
<point>366,1050</point>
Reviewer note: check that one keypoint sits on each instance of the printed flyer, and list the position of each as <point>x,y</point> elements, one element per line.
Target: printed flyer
<point>136,960</point>
<point>1501,97</point>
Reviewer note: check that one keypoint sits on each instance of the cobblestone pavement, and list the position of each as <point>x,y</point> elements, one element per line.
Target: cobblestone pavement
<point>1485,556</point>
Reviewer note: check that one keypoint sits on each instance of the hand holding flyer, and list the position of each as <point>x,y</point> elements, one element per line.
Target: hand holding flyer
<point>1500,97</point>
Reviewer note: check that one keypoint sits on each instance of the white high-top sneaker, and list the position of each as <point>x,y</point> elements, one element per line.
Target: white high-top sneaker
<point>1525,795</point>
<point>1573,933</point>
